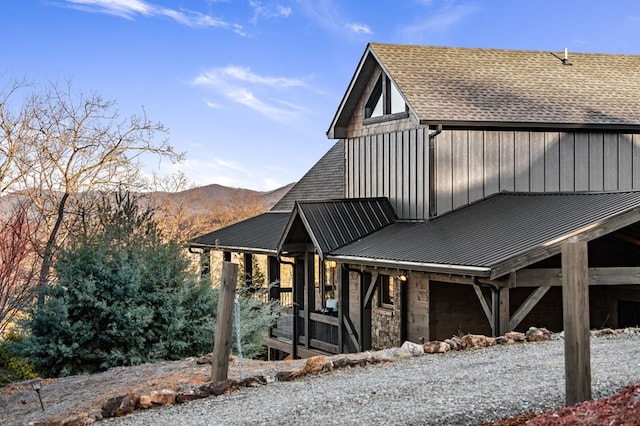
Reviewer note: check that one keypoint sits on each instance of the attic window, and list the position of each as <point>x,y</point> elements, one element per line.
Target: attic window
<point>385,100</point>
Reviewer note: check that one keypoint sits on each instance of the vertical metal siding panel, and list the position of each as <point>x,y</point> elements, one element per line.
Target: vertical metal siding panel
<point>356,167</point>
<point>386,158</point>
<point>363,166</point>
<point>350,168</point>
<point>443,172</point>
<point>635,144</point>
<point>567,162</point>
<point>413,174</point>
<point>596,161</point>
<point>381,167</point>
<point>406,173</point>
<point>460,171</point>
<point>421,194</point>
<point>610,147</point>
<point>551,162</point>
<point>582,161</point>
<point>507,161</point>
<point>491,163</point>
<point>522,155</point>
<point>393,174</point>
<point>368,166</point>
<point>476,165</point>
<point>625,161</point>
<point>536,158</point>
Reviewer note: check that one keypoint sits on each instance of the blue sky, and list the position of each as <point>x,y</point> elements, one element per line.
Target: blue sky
<point>248,88</point>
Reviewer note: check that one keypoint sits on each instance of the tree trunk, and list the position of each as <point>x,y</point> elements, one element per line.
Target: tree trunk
<point>47,256</point>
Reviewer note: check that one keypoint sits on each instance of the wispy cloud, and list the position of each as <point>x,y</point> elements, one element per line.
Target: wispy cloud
<point>130,9</point>
<point>327,15</point>
<point>257,92</point>
<point>440,21</point>
<point>262,11</point>
<point>359,28</point>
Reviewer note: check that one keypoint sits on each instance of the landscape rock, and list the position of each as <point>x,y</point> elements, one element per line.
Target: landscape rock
<point>145,402</point>
<point>475,341</point>
<point>393,354</point>
<point>287,376</point>
<point>535,334</point>
<point>515,336</point>
<point>314,365</point>
<point>436,347</point>
<point>188,392</point>
<point>120,405</point>
<point>163,397</point>
<point>220,387</point>
<point>414,348</point>
<point>454,343</point>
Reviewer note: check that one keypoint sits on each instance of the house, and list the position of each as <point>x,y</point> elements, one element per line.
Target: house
<point>441,209</point>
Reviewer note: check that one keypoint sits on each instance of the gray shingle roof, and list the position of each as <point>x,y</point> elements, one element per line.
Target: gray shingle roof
<point>447,85</point>
<point>501,233</point>
<point>259,234</point>
<point>324,181</point>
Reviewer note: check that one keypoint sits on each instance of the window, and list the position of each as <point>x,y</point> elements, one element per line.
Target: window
<point>386,291</point>
<point>385,99</point>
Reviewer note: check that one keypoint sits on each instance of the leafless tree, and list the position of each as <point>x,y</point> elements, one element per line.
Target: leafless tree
<point>73,144</point>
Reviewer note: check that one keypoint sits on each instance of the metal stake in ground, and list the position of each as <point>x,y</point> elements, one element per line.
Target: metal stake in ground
<point>224,322</point>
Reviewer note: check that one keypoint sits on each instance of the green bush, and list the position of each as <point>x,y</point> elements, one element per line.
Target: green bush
<point>125,296</point>
<point>13,366</point>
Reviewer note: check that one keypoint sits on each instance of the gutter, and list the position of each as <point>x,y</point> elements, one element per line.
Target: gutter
<point>476,271</point>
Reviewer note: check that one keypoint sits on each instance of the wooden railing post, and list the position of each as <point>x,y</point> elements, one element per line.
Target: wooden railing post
<point>575,307</point>
<point>224,322</point>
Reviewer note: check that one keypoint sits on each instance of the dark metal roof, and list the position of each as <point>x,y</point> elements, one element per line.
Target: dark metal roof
<point>448,85</point>
<point>494,236</point>
<point>330,224</point>
<point>259,234</point>
<point>324,181</point>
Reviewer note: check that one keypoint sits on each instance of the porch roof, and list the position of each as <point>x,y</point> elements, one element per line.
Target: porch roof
<point>259,235</point>
<point>495,236</point>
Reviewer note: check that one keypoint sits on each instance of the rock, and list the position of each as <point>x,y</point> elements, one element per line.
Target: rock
<point>436,347</point>
<point>145,402</point>
<point>414,348</point>
<point>120,405</point>
<point>314,365</point>
<point>189,392</point>
<point>220,387</point>
<point>535,334</point>
<point>515,336</point>
<point>474,341</point>
<point>393,354</point>
<point>287,376</point>
<point>455,345</point>
<point>253,382</point>
<point>163,397</point>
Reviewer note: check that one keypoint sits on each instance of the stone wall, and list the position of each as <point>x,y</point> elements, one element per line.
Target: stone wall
<point>386,320</point>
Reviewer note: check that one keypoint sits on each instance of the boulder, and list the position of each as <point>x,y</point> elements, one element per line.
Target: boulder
<point>515,336</point>
<point>163,397</point>
<point>454,343</point>
<point>287,376</point>
<point>436,347</point>
<point>392,354</point>
<point>220,387</point>
<point>314,365</point>
<point>120,405</point>
<point>535,334</point>
<point>474,341</point>
<point>414,348</point>
<point>189,392</point>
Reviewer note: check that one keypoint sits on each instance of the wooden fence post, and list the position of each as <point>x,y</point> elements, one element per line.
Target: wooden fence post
<point>224,322</point>
<point>575,307</point>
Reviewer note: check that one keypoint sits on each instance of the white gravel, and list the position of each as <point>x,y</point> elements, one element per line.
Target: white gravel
<point>467,387</point>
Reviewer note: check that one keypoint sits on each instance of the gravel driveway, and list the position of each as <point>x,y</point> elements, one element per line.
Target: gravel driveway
<point>466,387</point>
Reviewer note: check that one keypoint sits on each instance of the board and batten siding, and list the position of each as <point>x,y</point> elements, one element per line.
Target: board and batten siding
<point>473,164</point>
<point>392,165</point>
<point>470,165</point>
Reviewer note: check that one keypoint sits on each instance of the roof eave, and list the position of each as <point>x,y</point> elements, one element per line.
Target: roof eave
<point>476,271</point>
<point>530,125</point>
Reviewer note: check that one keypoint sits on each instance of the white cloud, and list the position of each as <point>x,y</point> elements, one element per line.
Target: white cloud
<point>359,28</point>
<point>262,11</point>
<point>439,22</point>
<point>129,9</point>
<point>242,86</point>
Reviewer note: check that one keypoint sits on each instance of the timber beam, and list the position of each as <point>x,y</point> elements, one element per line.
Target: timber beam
<point>597,276</point>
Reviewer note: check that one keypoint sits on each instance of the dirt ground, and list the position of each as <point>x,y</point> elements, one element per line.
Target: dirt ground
<point>83,396</point>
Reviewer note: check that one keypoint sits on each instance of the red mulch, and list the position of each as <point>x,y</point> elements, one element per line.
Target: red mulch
<point>620,409</point>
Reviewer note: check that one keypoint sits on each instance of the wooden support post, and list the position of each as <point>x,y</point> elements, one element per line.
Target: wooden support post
<point>365,311</point>
<point>309,295</point>
<point>495,311</point>
<point>248,271</point>
<point>224,322</point>
<point>298,302</point>
<point>575,308</point>
<point>273,277</point>
<point>504,310</point>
